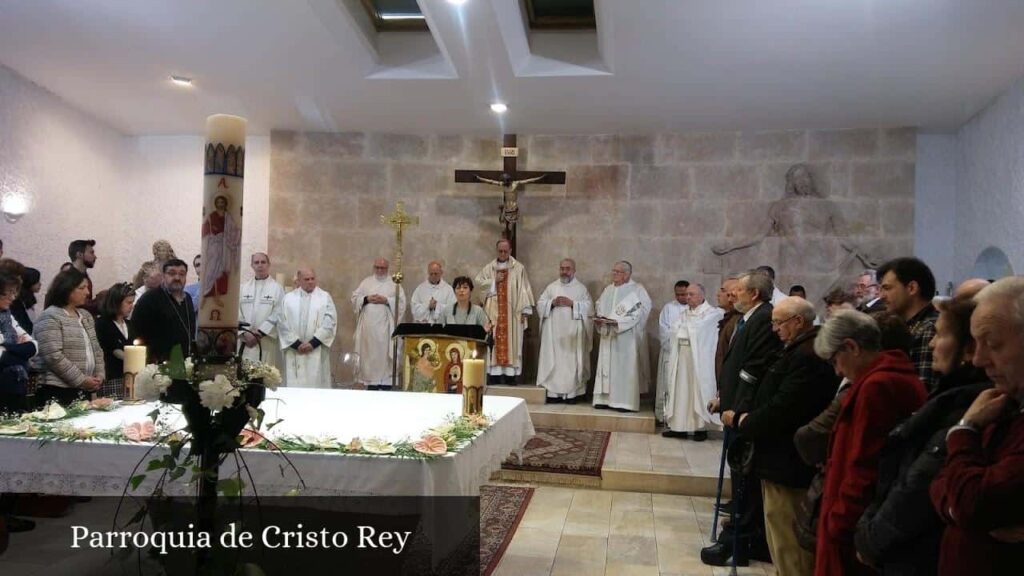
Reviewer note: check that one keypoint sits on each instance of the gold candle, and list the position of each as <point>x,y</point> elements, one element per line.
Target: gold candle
<point>472,386</point>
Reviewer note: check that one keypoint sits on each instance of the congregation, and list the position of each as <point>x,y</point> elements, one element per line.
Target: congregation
<point>885,436</point>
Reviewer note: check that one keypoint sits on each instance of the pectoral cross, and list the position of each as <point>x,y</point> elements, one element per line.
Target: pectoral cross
<point>399,220</point>
<point>510,180</point>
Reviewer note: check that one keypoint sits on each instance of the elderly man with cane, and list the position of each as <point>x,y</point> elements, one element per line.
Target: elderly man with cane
<point>752,349</point>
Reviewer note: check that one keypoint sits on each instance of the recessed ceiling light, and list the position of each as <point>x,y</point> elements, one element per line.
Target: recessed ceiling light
<point>181,80</point>
<point>402,17</point>
<point>499,108</point>
<point>457,2</point>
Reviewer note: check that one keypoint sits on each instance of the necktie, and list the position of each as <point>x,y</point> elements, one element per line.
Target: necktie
<point>739,326</point>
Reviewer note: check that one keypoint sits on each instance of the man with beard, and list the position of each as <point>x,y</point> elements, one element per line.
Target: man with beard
<point>373,303</point>
<point>566,336</point>
<point>164,317</point>
<point>83,257</point>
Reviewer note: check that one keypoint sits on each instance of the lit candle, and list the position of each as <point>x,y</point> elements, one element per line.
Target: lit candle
<point>134,362</point>
<point>134,359</point>
<point>472,385</point>
<point>472,373</point>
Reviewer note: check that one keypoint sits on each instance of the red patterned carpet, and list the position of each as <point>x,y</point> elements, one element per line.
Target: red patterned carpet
<point>561,451</point>
<point>501,509</point>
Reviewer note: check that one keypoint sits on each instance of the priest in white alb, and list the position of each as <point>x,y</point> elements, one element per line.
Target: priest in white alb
<point>618,316</point>
<point>432,297</point>
<point>670,314</point>
<point>691,369</point>
<point>374,305</point>
<point>306,331</point>
<point>566,335</point>
<point>509,304</point>
<point>259,306</point>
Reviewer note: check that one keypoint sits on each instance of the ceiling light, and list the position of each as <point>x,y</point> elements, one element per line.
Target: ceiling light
<point>457,2</point>
<point>402,17</point>
<point>499,108</point>
<point>181,80</point>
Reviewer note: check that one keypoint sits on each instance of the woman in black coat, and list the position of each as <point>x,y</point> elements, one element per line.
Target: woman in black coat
<point>114,331</point>
<point>900,532</point>
<point>24,306</point>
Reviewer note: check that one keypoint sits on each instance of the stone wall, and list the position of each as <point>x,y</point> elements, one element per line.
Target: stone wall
<point>661,201</point>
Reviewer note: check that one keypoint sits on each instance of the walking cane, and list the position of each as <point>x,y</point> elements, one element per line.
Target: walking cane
<point>721,479</point>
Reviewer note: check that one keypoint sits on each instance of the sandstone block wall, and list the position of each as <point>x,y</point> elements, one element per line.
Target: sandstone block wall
<point>660,201</point>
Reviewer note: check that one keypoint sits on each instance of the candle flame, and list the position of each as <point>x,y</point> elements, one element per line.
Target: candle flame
<point>474,354</point>
<point>138,342</point>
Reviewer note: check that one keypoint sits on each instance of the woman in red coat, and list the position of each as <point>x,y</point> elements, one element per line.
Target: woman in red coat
<point>885,391</point>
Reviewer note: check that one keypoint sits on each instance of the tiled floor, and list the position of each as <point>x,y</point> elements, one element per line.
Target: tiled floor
<point>655,453</point>
<point>582,532</point>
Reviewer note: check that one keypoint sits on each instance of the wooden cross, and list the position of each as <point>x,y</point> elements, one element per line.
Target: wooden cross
<point>511,180</point>
<point>399,220</point>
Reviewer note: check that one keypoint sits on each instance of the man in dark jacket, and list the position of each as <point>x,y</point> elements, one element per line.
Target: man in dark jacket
<point>753,343</point>
<point>796,388</point>
<point>752,348</point>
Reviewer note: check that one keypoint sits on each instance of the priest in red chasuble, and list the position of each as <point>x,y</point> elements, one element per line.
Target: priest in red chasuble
<point>508,304</point>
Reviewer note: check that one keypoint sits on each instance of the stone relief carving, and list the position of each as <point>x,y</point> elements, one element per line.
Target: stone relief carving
<point>802,215</point>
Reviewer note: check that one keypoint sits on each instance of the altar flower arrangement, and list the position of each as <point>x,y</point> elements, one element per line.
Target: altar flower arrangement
<point>218,401</point>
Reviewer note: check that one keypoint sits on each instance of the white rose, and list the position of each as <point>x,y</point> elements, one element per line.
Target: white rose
<point>272,379</point>
<point>217,394</point>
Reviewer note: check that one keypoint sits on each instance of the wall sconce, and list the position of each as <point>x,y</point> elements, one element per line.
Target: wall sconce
<point>15,200</point>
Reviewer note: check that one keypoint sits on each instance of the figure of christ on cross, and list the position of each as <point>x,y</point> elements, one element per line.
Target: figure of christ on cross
<point>510,180</point>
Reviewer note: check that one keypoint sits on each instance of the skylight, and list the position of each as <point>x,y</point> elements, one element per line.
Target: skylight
<point>560,14</point>
<point>395,15</point>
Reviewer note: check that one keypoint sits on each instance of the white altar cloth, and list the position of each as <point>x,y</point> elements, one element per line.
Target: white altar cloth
<point>103,468</point>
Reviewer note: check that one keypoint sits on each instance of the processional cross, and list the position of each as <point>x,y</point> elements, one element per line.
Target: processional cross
<point>398,220</point>
<point>510,180</point>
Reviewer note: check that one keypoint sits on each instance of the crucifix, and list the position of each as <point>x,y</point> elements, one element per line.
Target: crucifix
<point>510,180</point>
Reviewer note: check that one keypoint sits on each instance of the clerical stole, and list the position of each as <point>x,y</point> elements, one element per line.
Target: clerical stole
<point>501,329</point>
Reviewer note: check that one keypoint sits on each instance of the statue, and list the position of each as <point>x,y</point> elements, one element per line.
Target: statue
<point>162,252</point>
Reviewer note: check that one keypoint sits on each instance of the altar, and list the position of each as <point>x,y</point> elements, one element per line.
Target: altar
<point>102,468</point>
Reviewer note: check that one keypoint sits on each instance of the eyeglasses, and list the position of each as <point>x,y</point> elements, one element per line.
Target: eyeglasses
<point>777,323</point>
<point>12,294</point>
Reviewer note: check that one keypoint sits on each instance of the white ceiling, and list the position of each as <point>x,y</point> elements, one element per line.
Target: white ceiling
<point>655,65</point>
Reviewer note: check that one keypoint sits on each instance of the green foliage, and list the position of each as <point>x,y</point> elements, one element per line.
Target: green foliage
<point>176,364</point>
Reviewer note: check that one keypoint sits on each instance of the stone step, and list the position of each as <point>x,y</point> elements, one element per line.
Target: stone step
<point>624,480</point>
<point>532,394</point>
<point>583,416</point>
